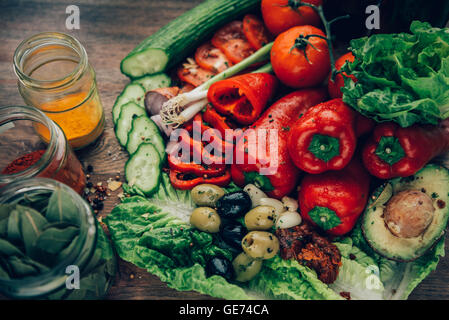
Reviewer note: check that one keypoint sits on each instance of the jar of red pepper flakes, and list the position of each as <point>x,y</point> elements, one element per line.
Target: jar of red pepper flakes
<point>24,154</point>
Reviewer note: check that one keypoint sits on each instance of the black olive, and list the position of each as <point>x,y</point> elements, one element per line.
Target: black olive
<point>220,266</point>
<point>233,233</point>
<point>233,205</point>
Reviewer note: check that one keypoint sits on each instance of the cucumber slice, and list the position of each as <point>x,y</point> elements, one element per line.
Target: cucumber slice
<point>129,111</point>
<point>179,38</point>
<point>144,130</point>
<point>160,80</point>
<point>143,169</point>
<point>133,92</point>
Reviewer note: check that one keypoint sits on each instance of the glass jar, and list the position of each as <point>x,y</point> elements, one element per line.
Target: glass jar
<point>56,77</point>
<point>91,253</point>
<point>18,138</point>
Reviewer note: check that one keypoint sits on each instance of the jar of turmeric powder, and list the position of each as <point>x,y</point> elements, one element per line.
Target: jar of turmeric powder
<point>56,77</point>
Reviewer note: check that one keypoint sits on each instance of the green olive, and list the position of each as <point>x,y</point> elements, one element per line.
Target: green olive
<point>206,194</point>
<point>260,218</point>
<point>260,245</point>
<point>245,267</point>
<point>205,219</point>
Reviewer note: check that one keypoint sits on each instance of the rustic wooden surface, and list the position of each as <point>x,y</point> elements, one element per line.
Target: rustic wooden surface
<point>109,30</point>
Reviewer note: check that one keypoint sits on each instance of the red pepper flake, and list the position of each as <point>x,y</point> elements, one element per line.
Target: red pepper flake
<point>23,162</point>
<point>441,204</point>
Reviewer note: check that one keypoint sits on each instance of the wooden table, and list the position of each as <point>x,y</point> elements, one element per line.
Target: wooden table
<point>109,29</point>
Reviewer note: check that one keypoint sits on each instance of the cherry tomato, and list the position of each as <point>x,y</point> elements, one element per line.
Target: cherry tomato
<point>232,41</point>
<point>334,87</point>
<point>281,15</point>
<point>194,76</point>
<point>299,59</point>
<point>211,58</point>
<point>255,32</point>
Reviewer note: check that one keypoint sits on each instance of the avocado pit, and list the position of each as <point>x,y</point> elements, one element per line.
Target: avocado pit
<point>409,213</point>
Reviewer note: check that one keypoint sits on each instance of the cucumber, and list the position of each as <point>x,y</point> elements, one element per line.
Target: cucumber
<point>133,92</point>
<point>144,130</point>
<point>151,82</point>
<point>177,39</point>
<point>128,112</point>
<point>143,169</point>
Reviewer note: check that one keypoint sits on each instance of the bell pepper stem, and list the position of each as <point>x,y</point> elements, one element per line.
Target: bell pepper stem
<point>324,217</point>
<point>324,147</point>
<point>258,180</point>
<point>390,150</point>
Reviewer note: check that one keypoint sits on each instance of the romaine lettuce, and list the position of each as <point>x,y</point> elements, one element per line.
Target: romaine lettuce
<point>154,234</point>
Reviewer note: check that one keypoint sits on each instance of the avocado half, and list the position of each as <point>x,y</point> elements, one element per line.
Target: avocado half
<point>433,180</point>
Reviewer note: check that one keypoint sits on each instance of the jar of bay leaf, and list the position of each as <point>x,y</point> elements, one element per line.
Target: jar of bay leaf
<point>51,245</point>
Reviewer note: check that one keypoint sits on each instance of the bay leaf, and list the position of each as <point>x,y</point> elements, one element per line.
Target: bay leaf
<point>13,230</point>
<point>32,224</point>
<point>3,227</point>
<point>53,240</point>
<point>20,268</point>
<point>37,199</point>
<point>41,268</point>
<point>5,210</point>
<point>61,208</point>
<point>66,251</point>
<point>8,249</point>
<point>3,273</point>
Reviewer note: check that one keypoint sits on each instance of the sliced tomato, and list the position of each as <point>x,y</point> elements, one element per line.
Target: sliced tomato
<point>211,58</point>
<point>195,76</point>
<point>255,31</point>
<point>232,41</point>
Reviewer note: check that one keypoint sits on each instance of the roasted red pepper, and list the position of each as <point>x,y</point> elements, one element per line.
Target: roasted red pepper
<point>324,138</point>
<point>216,120</point>
<point>243,97</point>
<point>187,181</point>
<point>334,200</point>
<point>200,170</point>
<point>215,138</point>
<point>280,116</point>
<point>392,151</point>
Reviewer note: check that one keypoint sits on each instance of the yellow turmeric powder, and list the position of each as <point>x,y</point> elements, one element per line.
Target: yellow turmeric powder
<point>81,119</point>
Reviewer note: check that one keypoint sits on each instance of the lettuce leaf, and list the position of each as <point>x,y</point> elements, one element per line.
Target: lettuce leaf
<point>400,278</point>
<point>154,234</point>
<point>287,279</point>
<point>401,77</point>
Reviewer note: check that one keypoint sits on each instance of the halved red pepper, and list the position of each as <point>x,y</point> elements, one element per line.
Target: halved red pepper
<point>280,116</point>
<point>334,200</point>
<point>201,170</point>
<point>244,97</point>
<point>324,138</point>
<point>187,181</point>
<point>392,151</point>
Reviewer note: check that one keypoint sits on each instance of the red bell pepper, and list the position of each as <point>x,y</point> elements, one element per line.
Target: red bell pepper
<point>324,138</point>
<point>216,120</point>
<point>280,116</point>
<point>243,97</point>
<point>200,170</point>
<point>187,181</point>
<point>334,200</point>
<point>392,151</point>
<point>197,146</point>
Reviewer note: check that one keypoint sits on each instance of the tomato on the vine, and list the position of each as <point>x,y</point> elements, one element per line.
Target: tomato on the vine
<point>300,57</point>
<point>334,87</point>
<point>281,15</point>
